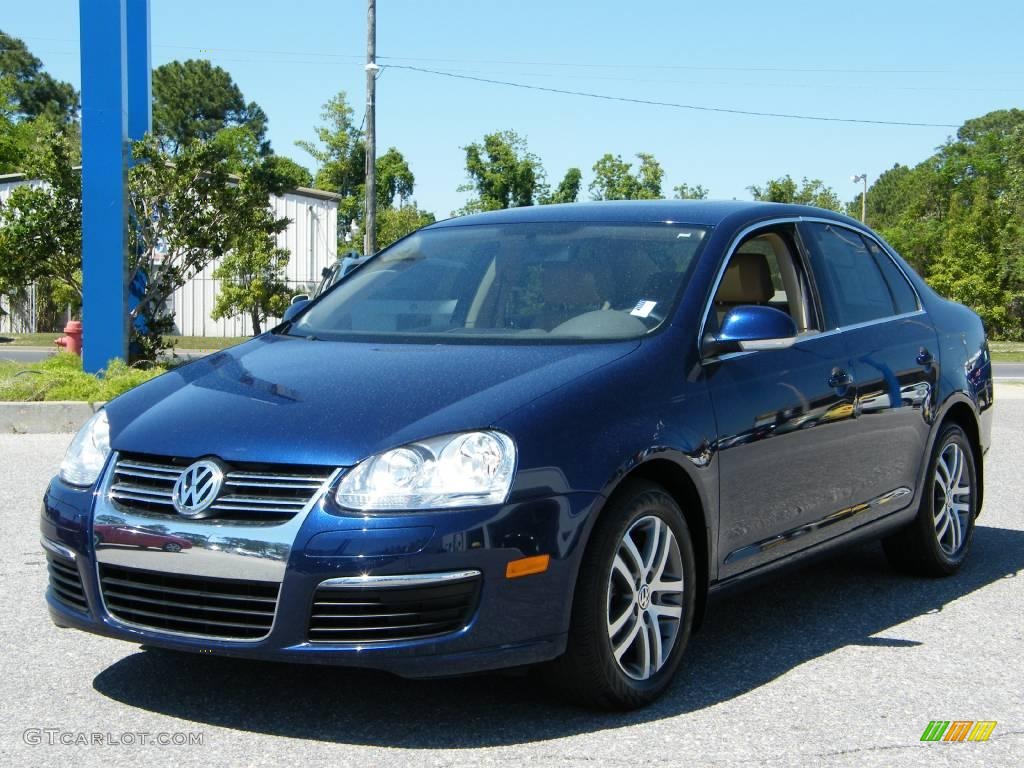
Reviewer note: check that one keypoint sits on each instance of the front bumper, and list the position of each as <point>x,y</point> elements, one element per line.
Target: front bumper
<point>514,622</point>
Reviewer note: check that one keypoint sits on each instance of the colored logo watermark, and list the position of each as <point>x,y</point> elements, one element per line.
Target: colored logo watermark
<point>958,730</point>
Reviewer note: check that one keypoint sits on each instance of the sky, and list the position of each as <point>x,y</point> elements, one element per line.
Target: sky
<point>937,62</point>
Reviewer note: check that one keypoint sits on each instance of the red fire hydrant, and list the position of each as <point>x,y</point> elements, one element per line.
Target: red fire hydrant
<point>72,341</point>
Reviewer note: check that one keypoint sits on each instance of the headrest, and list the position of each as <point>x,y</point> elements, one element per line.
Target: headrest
<point>747,280</point>
<point>568,285</point>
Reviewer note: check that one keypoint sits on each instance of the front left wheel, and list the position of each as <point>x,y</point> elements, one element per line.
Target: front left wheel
<point>634,603</point>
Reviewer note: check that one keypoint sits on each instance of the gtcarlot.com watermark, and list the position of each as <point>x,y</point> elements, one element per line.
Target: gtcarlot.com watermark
<point>51,737</point>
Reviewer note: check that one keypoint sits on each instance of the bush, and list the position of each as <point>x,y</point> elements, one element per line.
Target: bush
<point>61,378</point>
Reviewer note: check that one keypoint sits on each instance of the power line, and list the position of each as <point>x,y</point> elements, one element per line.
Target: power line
<point>674,105</point>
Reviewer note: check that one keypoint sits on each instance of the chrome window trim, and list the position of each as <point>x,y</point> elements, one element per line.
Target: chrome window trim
<point>58,549</point>
<point>398,580</point>
<point>805,336</point>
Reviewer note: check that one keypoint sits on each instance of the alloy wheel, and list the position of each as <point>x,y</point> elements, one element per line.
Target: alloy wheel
<point>952,499</point>
<point>645,597</point>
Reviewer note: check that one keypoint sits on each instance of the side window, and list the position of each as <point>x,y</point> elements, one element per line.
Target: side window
<point>764,271</point>
<point>902,293</point>
<point>858,290</point>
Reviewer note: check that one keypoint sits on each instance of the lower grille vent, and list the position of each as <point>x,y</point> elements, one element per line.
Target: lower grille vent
<point>66,583</point>
<point>378,614</point>
<point>217,608</point>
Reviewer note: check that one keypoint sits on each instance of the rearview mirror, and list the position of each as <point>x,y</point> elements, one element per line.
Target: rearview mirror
<point>301,297</point>
<point>751,329</point>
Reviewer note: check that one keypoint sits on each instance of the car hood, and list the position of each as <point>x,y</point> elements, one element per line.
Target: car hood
<point>280,399</point>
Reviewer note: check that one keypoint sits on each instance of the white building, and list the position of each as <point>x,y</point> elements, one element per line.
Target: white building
<point>311,238</point>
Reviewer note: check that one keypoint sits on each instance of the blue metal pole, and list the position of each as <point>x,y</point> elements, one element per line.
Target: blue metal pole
<point>104,182</point>
<point>140,90</point>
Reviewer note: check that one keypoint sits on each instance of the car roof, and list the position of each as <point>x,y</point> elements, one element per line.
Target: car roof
<point>700,212</point>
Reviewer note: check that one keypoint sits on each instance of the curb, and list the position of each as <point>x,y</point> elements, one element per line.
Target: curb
<point>58,417</point>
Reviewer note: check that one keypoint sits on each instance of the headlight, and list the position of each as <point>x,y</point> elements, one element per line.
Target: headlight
<point>469,469</point>
<point>88,452</point>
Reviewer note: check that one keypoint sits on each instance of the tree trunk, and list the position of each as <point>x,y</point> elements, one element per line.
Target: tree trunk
<point>255,315</point>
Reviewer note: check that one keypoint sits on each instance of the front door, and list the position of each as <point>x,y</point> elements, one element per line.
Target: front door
<point>784,416</point>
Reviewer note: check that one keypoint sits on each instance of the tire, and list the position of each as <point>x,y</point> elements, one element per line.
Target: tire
<point>937,541</point>
<point>591,672</point>
<point>172,547</point>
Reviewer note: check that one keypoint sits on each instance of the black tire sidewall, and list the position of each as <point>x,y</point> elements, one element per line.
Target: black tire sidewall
<point>926,519</point>
<point>629,505</point>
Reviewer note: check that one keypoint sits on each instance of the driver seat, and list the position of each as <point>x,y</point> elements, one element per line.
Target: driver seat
<point>747,280</point>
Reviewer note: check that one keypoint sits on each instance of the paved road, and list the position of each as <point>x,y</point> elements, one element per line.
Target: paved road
<point>1008,370</point>
<point>839,663</point>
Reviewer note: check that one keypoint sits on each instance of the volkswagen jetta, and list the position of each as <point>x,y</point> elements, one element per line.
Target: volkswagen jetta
<point>534,436</point>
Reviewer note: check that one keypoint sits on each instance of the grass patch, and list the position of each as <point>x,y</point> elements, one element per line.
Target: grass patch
<point>29,339</point>
<point>181,342</point>
<point>1007,351</point>
<point>61,378</point>
<point>205,342</point>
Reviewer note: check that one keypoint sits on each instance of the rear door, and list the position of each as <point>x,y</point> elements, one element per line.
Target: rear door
<point>891,342</point>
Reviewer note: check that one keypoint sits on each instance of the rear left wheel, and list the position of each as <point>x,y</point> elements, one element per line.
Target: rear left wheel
<point>936,543</point>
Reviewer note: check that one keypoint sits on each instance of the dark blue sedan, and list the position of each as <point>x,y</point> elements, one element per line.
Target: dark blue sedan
<point>533,436</point>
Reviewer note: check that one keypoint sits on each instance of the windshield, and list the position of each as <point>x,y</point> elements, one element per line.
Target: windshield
<point>534,282</point>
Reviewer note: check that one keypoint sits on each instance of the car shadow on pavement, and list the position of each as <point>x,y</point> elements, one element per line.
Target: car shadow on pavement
<point>749,638</point>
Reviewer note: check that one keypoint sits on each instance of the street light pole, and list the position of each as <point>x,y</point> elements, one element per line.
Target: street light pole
<point>371,128</point>
<point>864,197</point>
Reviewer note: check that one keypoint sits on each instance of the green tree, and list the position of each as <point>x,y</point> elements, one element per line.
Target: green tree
<point>503,173</point>
<point>340,153</point>
<point>41,223</point>
<point>614,178</point>
<point>16,135</point>
<point>685,192</point>
<point>34,93</point>
<point>395,223</point>
<point>568,189</point>
<point>809,192</point>
<point>394,179</point>
<point>253,283</point>
<point>956,217</point>
<point>190,212</point>
<point>195,99</point>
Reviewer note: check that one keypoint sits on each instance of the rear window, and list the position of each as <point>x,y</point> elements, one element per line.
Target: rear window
<point>903,295</point>
<point>855,283</point>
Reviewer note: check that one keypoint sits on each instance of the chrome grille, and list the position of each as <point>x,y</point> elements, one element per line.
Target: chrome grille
<point>66,583</point>
<point>251,491</point>
<point>217,608</point>
<point>379,614</point>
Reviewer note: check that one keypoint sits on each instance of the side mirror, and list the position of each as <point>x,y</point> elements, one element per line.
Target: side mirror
<point>298,304</point>
<point>301,298</point>
<point>750,329</point>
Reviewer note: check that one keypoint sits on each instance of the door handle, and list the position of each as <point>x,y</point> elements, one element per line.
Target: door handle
<point>924,357</point>
<point>839,379</point>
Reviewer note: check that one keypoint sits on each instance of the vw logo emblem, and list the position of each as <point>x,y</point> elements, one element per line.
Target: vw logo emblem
<point>643,597</point>
<point>197,488</point>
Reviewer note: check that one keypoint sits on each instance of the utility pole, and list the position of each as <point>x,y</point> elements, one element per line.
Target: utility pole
<point>371,129</point>
<point>864,197</point>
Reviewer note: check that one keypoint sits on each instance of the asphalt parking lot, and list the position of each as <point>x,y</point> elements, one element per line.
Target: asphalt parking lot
<point>841,662</point>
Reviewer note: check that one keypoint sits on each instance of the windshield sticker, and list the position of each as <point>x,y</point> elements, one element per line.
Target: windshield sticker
<point>643,308</point>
